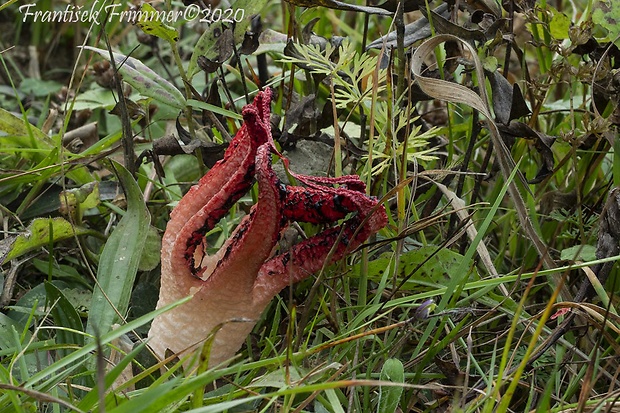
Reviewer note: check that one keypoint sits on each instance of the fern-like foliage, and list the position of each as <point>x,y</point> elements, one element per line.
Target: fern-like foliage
<point>357,79</point>
<point>417,143</point>
<point>351,72</point>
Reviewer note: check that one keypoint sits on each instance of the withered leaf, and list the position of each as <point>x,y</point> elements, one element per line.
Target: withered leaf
<point>608,243</point>
<point>224,47</point>
<point>410,5</point>
<point>519,108</point>
<point>452,373</point>
<point>304,115</point>
<point>79,139</point>
<point>207,65</point>
<point>306,32</point>
<point>609,227</point>
<point>418,30</point>
<point>135,110</point>
<point>250,43</point>
<point>213,98</point>
<point>487,6</point>
<point>443,25</point>
<point>184,134</point>
<point>169,145</point>
<point>339,5</point>
<point>508,102</point>
<point>543,145</point>
<point>291,51</point>
<point>519,6</point>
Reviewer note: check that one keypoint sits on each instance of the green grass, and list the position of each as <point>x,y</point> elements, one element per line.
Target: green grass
<point>362,335</point>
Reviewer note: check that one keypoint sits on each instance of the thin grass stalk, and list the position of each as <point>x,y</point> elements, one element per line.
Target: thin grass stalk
<point>337,144</point>
<point>516,319</point>
<point>507,396</point>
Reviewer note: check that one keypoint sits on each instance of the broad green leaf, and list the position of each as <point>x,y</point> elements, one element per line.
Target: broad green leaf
<point>80,299</point>
<point>154,26</point>
<point>389,396</point>
<point>31,302</point>
<point>559,25</point>
<point>38,235</point>
<point>39,88</point>
<point>607,14</point>
<point>119,260</point>
<point>206,45</point>
<point>144,80</point>
<point>152,251</point>
<point>95,99</point>
<point>15,126</point>
<point>279,379</point>
<point>47,161</point>
<point>579,252</point>
<point>64,315</point>
<point>7,324</point>
<point>31,136</point>
<point>490,63</point>
<point>146,401</point>
<point>334,401</point>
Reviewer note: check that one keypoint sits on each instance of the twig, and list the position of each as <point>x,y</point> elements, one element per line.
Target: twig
<point>11,280</point>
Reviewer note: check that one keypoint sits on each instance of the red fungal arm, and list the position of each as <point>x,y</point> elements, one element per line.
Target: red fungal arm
<point>229,179</point>
<point>320,205</point>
